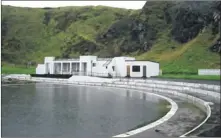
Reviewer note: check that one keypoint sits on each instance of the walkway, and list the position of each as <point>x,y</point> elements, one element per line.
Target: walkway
<point>186,118</point>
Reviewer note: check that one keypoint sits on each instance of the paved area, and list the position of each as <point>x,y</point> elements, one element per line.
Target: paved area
<point>209,128</point>
<point>186,118</point>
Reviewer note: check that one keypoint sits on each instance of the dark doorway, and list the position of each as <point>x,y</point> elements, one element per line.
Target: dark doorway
<point>128,70</point>
<point>144,71</point>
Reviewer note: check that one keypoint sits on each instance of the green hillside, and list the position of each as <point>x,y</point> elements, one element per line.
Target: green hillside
<point>187,57</point>
<point>179,35</point>
<point>30,34</point>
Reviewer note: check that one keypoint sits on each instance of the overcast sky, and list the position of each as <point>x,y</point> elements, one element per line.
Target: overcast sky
<point>41,4</point>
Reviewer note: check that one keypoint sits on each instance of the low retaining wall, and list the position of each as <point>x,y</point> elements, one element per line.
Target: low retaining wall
<point>18,76</point>
<point>209,72</point>
<point>215,88</point>
<point>183,89</point>
<point>50,80</point>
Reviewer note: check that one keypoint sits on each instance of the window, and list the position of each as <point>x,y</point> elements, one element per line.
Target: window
<point>113,68</point>
<point>136,69</point>
<point>94,64</point>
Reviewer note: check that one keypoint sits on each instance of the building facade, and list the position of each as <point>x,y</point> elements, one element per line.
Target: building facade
<point>94,66</point>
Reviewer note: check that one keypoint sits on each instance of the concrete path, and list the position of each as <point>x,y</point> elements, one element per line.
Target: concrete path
<point>186,118</point>
<point>213,121</point>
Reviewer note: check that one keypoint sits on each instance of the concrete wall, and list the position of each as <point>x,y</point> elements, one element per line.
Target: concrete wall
<point>110,69</point>
<point>19,76</point>
<point>209,72</point>
<point>40,69</point>
<point>129,58</point>
<point>99,69</point>
<point>85,65</point>
<point>152,69</point>
<point>136,63</point>
<point>88,60</point>
<point>49,59</point>
<point>120,66</point>
<point>174,83</point>
<point>49,67</point>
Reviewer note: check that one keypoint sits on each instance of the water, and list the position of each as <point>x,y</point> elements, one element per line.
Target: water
<point>49,110</point>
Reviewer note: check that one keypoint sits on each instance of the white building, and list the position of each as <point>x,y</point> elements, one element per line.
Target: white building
<point>92,65</point>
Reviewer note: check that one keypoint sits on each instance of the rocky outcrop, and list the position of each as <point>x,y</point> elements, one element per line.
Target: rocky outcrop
<point>216,47</point>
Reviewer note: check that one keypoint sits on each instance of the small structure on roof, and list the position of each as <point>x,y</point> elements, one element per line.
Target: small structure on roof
<point>104,67</point>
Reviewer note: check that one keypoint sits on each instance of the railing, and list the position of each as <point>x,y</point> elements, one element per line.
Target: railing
<point>95,74</point>
<point>103,59</point>
<point>107,63</point>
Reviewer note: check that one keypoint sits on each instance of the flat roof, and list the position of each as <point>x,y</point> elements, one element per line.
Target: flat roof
<point>70,59</point>
<point>141,60</point>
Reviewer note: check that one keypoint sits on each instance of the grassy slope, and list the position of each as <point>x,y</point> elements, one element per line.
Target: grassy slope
<point>188,57</point>
<point>7,69</point>
<point>39,39</point>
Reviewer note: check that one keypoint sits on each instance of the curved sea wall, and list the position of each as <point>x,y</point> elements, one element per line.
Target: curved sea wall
<point>156,87</point>
<point>183,90</point>
<point>203,105</point>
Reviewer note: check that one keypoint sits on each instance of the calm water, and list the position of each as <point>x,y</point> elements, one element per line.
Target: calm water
<point>73,111</point>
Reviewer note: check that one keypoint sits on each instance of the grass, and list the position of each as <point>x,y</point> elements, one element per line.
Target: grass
<point>191,77</point>
<point>188,57</point>
<point>30,36</point>
<point>6,69</point>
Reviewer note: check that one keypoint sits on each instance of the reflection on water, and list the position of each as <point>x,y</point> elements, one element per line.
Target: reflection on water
<point>143,96</point>
<point>128,93</point>
<point>57,110</point>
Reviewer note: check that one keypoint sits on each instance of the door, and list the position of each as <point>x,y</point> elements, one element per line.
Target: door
<point>47,68</point>
<point>144,71</point>
<point>85,68</point>
<point>128,70</point>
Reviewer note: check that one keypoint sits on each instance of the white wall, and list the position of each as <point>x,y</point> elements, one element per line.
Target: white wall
<point>110,69</point>
<point>40,69</point>
<point>119,63</point>
<point>87,60</point>
<point>136,63</point>
<point>129,58</point>
<point>50,67</point>
<point>49,59</point>
<point>120,66</point>
<point>209,72</point>
<point>152,69</point>
<point>99,69</point>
